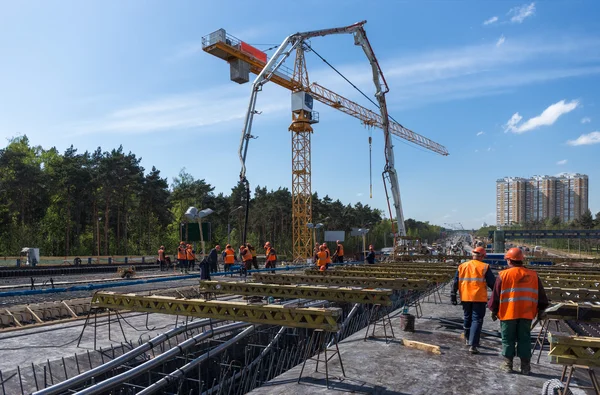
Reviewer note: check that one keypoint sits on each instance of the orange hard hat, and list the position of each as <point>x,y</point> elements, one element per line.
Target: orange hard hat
<point>478,250</point>
<point>322,268</point>
<point>322,248</point>
<point>182,242</point>
<point>514,254</point>
<point>228,246</point>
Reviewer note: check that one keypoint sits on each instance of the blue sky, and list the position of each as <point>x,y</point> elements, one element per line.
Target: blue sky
<point>511,88</point>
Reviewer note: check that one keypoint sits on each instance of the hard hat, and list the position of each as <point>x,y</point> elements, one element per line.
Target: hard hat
<point>217,247</point>
<point>322,248</point>
<point>337,242</point>
<point>242,246</point>
<point>478,250</point>
<point>322,268</point>
<point>514,254</point>
<point>228,246</point>
<point>182,242</point>
<point>162,247</point>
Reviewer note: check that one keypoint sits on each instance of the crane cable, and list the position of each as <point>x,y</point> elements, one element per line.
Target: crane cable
<point>370,100</point>
<point>370,169</point>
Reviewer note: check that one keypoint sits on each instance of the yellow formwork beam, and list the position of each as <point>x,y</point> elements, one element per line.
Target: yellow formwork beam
<point>271,314</point>
<point>575,294</point>
<point>363,268</point>
<point>574,350</point>
<point>334,294</point>
<point>569,310</point>
<point>436,277</point>
<point>368,282</point>
<point>570,276</point>
<point>569,283</point>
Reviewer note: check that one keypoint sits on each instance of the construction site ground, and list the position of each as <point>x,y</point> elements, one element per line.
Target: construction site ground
<point>377,367</point>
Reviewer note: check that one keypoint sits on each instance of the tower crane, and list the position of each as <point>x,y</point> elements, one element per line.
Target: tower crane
<point>244,58</point>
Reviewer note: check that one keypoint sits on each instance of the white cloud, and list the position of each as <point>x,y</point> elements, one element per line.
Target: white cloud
<point>359,194</point>
<point>500,41</point>
<point>586,139</point>
<point>182,111</point>
<point>586,120</point>
<point>493,19</point>
<point>519,14</point>
<point>512,122</point>
<point>480,133</point>
<point>561,162</point>
<point>546,118</point>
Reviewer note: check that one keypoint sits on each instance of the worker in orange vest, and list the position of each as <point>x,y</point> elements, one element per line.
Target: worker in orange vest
<point>161,258</point>
<point>246,256</point>
<point>470,281</point>
<point>328,254</point>
<point>252,250</point>
<point>182,257</point>
<point>271,256</point>
<point>339,252</point>
<point>518,297</point>
<point>322,259</point>
<point>229,257</point>
<point>191,257</point>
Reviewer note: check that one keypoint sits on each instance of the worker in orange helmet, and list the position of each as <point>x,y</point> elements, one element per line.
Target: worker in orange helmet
<point>518,297</point>
<point>339,252</point>
<point>271,256</point>
<point>246,256</point>
<point>182,256</point>
<point>328,253</point>
<point>470,281</point>
<point>228,257</point>
<point>322,259</point>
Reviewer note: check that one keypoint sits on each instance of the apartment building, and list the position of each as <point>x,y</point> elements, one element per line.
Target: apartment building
<point>520,200</point>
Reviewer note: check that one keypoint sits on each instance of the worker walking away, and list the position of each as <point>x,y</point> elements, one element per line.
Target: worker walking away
<point>322,259</point>
<point>253,253</point>
<point>518,297</point>
<point>191,257</point>
<point>246,257</point>
<point>229,257</point>
<point>470,281</point>
<point>271,257</point>
<point>182,257</point>
<point>339,252</point>
<point>371,255</point>
<point>161,258</point>
<point>213,259</point>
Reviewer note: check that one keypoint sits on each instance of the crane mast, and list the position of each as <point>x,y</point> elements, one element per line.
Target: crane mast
<point>244,58</point>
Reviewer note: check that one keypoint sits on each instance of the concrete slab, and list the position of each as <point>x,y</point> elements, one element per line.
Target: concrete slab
<point>375,367</point>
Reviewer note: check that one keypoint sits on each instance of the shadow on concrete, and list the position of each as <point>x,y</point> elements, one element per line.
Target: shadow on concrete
<point>350,385</point>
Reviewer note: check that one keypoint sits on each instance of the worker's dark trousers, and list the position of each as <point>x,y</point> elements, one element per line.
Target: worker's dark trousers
<point>182,264</point>
<point>519,332</point>
<point>473,321</point>
<point>213,267</point>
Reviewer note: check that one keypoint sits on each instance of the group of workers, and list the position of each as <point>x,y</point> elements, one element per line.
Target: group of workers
<point>518,296</point>
<point>322,255</point>
<point>186,257</point>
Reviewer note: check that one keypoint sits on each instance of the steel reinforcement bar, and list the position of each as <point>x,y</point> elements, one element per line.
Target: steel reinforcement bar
<point>435,277</point>
<point>313,318</point>
<point>569,283</point>
<point>334,294</point>
<point>367,282</point>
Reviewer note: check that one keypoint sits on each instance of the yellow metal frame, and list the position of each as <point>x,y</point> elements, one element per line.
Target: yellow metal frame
<point>392,269</point>
<point>575,294</point>
<point>334,294</point>
<point>569,283</point>
<point>367,282</point>
<point>437,277</point>
<point>574,350</point>
<point>312,318</point>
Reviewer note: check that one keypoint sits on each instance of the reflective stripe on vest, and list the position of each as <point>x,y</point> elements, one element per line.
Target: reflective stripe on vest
<point>229,256</point>
<point>519,294</point>
<point>471,281</point>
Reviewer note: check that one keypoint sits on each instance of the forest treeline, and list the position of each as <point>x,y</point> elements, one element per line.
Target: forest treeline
<point>105,203</point>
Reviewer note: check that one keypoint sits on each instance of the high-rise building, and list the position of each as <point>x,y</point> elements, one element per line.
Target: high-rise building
<point>520,200</point>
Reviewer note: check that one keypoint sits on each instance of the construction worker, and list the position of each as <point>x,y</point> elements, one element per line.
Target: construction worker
<point>271,256</point>
<point>161,258</point>
<point>246,257</point>
<point>518,297</point>
<point>316,253</point>
<point>322,259</point>
<point>470,281</point>
<point>229,258</point>
<point>191,257</point>
<point>213,258</point>
<point>182,257</point>
<point>339,252</point>
<point>253,252</point>
<point>371,256</point>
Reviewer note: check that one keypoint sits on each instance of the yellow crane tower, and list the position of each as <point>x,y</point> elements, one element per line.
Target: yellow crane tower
<point>245,59</point>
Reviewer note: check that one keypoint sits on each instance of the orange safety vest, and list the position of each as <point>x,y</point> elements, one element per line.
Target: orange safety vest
<point>340,250</point>
<point>271,255</point>
<point>328,255</point>
<point>181,254</point>
<point>229,256</point>
<point>161,255</point>
<point>246,255</point>
<point>519,294</point>
<point>322,261</point>
<point>471,281</point>
<point>190,255</point>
